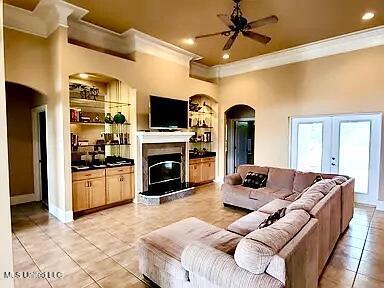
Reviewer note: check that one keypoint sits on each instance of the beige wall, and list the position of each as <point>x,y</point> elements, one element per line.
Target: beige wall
<point>6,262</point>
<point>46,66</point>
<point>344,83</point>
<point>20,101</point>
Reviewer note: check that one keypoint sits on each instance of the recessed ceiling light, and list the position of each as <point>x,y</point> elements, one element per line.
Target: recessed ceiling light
<point>189,41</point>
<point>226,56</point>
<point>83,76</point>
<point>368,16</point>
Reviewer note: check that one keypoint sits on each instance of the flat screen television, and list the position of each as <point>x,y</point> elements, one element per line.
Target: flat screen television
<point>166,113</point>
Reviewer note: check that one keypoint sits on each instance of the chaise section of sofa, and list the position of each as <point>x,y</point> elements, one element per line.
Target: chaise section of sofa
<point>192,253</point>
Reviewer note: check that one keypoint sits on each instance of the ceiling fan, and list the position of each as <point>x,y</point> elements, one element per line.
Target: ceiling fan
<point>238,24</point>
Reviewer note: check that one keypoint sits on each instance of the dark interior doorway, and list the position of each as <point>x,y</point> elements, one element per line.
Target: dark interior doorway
<point>240,137</point>
<point>43,158</point>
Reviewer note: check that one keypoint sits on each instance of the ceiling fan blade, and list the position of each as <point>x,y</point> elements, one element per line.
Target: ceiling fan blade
<point>213,34</point>
<point>230,41</point>
<point>226,20</point>
<point>256,36</point>
<point>261,22</point>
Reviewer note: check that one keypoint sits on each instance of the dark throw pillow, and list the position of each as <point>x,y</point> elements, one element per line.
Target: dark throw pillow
<point>272,218</point>
<point>255,180</point>
<point>318,178</point>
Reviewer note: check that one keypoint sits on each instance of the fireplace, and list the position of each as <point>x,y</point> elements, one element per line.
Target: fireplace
<point>164,173</point>
<point>163,168</point>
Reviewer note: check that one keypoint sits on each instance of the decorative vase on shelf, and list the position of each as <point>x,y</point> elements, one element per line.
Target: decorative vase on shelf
<point>108,118</point>
<point>119,118</point>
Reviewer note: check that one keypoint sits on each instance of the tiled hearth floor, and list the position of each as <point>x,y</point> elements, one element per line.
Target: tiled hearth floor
<point>99,250</point>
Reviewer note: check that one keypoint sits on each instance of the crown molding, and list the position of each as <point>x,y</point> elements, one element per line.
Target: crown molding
<point>50,14</point>
<point>337,45</point>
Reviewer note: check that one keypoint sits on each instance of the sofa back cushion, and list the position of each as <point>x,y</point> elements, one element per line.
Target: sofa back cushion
<point>303,180</point>
<point>255,250</point>
<point>244,169</point>
<point>280,178</point>
<point>312,195</point>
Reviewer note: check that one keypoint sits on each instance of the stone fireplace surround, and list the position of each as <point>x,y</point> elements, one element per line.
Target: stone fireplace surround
<point>159,143</point>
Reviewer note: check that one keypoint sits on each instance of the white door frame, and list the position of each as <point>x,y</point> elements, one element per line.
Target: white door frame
<point>36,150</point>
<point>375,147</point>
<point>374,154</point>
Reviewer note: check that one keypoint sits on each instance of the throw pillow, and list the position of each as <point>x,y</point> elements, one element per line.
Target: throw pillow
<point>255,180</point>
<point>272,218</point>
<point>340,179</point>
<point>318,178</point>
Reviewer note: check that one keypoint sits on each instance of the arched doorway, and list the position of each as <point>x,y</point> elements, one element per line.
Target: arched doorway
<point>27,144</point>
<point>240,136</point>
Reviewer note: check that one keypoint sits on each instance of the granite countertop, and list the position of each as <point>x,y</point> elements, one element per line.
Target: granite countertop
<point>205,155</point>
<point>89,168</point>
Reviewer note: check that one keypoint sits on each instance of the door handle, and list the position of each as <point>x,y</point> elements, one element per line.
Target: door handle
<point>333,164</point>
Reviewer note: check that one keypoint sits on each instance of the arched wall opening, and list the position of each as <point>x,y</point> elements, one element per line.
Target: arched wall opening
<point>239,137</point>
<point>26,132</point>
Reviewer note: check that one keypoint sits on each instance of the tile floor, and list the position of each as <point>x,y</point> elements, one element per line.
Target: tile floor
<point>98,250</point>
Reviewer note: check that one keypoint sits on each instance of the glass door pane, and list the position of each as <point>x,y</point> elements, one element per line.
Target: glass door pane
<point>354,152</point>
<point>310,146</point>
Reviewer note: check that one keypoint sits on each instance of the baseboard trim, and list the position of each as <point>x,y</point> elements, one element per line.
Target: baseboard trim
<point>380,205</point>
<point>20,199</point>
<point>63,216</point>
<point>219,180</point>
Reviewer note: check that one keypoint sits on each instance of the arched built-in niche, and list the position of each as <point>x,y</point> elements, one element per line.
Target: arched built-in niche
<point>26,143</point>
<point>239,136</point>
<point>203,122</point>
<point>102,127</point>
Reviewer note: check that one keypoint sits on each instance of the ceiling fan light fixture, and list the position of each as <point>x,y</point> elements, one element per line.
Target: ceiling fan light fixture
<point>189,41</point>
<point>226,55</point>
<point>368,16</point>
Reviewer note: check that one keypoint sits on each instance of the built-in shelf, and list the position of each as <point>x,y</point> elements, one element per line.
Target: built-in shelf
<point>201,113</point>
<point>201,127</point>
<point>99,123</point>
<point>200,142</point>
<point>104,144</point>
<point>99,103</point>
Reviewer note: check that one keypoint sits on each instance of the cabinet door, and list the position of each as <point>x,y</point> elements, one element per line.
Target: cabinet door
<point>97,192</point>
<point>113,188</point>
<point>208,171</point>
<point>195,173</point>
<point>80,197</point>
<point>127,186</point>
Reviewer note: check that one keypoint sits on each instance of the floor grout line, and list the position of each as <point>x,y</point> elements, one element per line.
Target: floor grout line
<point>361,256</point>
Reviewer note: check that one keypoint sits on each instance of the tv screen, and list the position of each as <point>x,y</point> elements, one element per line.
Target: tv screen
<point>166,113</point>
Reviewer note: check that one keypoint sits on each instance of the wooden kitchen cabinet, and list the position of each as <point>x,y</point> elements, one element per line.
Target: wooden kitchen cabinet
<point>119,184</point>
<point>80,195</point>
<point>98,188</point>
<point>202,170</point>
<point>97,192</point>
<point>88,190</point>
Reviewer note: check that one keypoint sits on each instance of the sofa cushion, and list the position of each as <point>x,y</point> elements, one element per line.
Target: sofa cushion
<point>274,205</point>
<point>323,186</point>
<point>255,180</point>
<point>306,202</point>
<point>303,180</point>
<point>163,247</point>
<point>279,178</point>
<point>247,223</point>
<point>255,250</point>
<point>244,169</point>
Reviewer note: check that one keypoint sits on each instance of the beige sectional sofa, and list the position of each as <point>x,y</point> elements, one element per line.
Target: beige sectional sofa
<point>291,252</point>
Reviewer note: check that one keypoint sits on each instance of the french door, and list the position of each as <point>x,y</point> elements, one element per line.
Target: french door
<point>340,144</point>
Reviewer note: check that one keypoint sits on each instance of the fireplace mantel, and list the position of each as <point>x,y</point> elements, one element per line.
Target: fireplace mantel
<point>163,137</point>
<point>160,138</point>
